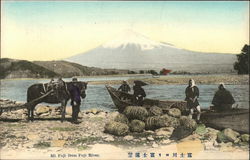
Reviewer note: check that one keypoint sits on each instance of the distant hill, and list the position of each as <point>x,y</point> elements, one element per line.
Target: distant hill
<point>12,68</point>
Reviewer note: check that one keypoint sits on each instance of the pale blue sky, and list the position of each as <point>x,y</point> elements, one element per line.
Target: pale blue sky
<point>162,21</point>
<point>220,13</point>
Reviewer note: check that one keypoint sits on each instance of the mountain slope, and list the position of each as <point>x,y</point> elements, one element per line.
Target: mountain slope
<point>69,69</point>
<point>131,50</point>
<point>11,68</point>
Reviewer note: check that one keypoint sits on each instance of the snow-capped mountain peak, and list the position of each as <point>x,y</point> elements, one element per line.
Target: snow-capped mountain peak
<point>129,37</point>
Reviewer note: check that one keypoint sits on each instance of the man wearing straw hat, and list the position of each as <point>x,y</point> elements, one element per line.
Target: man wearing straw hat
<point>124,87</point>
<point>139,93</point>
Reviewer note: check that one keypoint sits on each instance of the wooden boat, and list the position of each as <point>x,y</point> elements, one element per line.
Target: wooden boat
<point>123,99</point>
<point>236,119</point>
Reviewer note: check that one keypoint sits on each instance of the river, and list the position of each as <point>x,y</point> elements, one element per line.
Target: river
<point>98,97</point>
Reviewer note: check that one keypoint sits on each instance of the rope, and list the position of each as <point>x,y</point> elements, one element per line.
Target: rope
<point>23,106</point>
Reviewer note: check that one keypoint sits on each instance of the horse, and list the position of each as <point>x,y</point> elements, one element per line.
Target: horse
<point>38,90</point>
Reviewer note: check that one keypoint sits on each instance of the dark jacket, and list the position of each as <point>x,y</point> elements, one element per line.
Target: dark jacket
<point>75,94</point>
<point>223,96</point>
<point>124,88</point>
<point>191,93</point>
<point>139,91</point>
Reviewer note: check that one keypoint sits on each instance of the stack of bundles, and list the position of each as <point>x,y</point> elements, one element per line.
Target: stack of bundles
<point>116,128</point>
<point>121,118</point>
<point>136,112</point>
<point>155,111</point>
<point>165,120</point>
<point>137,126</point>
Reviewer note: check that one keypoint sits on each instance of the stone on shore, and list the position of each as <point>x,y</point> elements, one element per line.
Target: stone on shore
<point>228,135</point>
<point>109,138</point>
<point>42,109</point>
<point>245,137</point>
<point>166,131</point>
<point>128,138</point>
<point>221,137</point>
<point>231,134</point>
<point>150,138</point>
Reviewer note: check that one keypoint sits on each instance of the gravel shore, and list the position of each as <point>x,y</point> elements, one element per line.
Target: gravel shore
<point>47,137</point>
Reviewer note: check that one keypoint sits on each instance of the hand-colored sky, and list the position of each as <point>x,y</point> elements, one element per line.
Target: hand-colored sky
<point>52,30</point>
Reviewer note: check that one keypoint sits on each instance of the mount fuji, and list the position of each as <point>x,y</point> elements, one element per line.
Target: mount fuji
<point>134,51</point>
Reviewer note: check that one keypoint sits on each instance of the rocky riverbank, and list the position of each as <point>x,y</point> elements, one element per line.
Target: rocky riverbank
<point>47,136</point>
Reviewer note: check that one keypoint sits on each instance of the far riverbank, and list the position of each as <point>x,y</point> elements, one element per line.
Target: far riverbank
<point>183,79</point>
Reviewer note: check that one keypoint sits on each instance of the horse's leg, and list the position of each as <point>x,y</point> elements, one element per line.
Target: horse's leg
<point>63,105</point>
<point>32,113</point>
<point>29,110</point>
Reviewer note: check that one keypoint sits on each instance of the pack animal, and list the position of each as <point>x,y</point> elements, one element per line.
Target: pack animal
<point>57,96</point>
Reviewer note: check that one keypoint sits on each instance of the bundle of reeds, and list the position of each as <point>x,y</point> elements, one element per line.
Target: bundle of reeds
<point>136,112</point>
<point>174,112</point>
<point>121,118</point>
<point>155,111</point>
<point>151,122</point>
<point>137,126</point>
<point>174,122</point>
<point>188,122</point>
<point>116,128</point>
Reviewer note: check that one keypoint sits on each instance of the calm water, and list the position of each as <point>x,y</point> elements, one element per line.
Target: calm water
<point>98,97</point>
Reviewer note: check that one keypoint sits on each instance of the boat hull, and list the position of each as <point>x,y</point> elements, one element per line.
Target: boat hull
<point>236,119</point>
<point>122,100</point>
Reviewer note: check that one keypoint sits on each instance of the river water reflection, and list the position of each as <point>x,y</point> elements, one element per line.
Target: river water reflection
<point>98,97</point>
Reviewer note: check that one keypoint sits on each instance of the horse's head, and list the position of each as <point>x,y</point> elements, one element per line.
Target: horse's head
<point>82,86</point>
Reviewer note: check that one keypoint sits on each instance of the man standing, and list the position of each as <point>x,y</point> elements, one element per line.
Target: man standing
<point>75,100</point>
<point>223,99</point>
<point>192,95</point>
<point>139,92</point>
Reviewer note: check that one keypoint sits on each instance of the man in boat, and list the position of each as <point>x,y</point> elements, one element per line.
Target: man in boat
<point>139,93</point>
<point>124,87</point>
<point>192,95</point>
<point>75,94</point>
<point>223,99</point>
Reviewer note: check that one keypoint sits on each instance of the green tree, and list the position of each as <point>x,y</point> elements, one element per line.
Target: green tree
<point>242,65</point>
<point>141,72</point>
